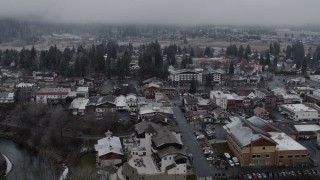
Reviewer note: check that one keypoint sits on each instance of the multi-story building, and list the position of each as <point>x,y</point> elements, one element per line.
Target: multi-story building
<point>157,153</point>
<point>52,95</point>
<point>299,112</point>
<point>219,98</point>
<point>131,100</point>
<point>109,150</point>
<point>101,104</point>
<point>256,143</point>
<point>185,76</point>
<point>6,97</point>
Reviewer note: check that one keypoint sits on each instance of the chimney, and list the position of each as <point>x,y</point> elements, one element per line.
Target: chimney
<point>108,133</point>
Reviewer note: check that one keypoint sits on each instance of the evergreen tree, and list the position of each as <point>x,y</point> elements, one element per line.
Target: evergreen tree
<point>271,49</point>
<point>247,52</point>
<point>288,52</point>
<point>191,52</point>
<point>268,60</point>
<point>240,52</point>
<point>193,86</point>
<point>231,68</point>
<point>261,60</point>
<point>304,66</point>
<point>209,80</point>
<point>275,63</point>
<point>208,52</point>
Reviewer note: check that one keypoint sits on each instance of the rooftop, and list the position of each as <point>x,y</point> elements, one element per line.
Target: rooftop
<point>285,142</point>
<point>298,108</point>
<point>307,127</point>
<point>108,145</point>
<point>79,103</point>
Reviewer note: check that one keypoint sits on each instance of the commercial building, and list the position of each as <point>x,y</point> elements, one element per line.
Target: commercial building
<point>52,95</point>
<point>184,75</point>
<point>256,143</point>
<point>299,112</point>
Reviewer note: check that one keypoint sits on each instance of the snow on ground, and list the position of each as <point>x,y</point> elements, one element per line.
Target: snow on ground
<point>64,174</point>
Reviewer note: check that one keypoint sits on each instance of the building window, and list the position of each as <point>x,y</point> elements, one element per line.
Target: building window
<point>267,155</point>
<point>289,156</point>
<point>258,155</point>
<point>297,155</point>
<point>253,156</point>
<point>263,148</point>
<point>280,157</point>
<point>165,158</point>
<point>303,155</point>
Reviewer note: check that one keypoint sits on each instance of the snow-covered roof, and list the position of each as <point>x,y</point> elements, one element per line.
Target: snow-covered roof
<point>121,101</point>
<point>285,142</point>
<point>251,95</point>
<point>109,145</point>
<point>148,110</point>
<point>79,103</point>
<point>22,84</point>
<point>307,127</point>
<point>83,89</point>
<point>298,108</point>
<point>243,135</point>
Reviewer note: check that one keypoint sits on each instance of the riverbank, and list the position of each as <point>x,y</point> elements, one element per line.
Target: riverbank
<point>8,164</point>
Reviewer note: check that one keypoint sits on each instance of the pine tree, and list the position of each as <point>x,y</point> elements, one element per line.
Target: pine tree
<point>209,80</point>
<point>231,68</point>
<point>304,66</point>
<point>193,86</point>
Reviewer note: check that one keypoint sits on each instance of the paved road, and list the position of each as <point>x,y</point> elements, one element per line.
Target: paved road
<point>201,165</point>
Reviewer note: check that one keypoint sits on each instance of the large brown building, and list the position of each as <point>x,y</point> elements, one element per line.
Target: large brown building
<point>256,143</point>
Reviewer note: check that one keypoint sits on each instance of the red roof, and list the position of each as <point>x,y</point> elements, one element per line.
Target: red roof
<point>260,110</point>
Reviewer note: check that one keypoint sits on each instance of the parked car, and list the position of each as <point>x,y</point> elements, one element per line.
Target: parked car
<point>235,161</point>
<point>210,158</point>
<point>201,136</point>
<point>231,163</point>
<point>227,156</point>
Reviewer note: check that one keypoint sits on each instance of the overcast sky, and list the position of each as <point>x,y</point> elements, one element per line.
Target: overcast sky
<point>187,12</point>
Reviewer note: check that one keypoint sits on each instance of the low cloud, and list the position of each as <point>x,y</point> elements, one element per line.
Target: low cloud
<point>180,12</point>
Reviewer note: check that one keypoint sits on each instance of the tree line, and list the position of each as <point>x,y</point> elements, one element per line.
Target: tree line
<point>108,58</point>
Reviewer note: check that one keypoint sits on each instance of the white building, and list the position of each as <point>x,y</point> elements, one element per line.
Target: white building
<point>131,100</point>
<point>109,150</point>
<point>219,98</point>
<point>315,78</point>
<point>82,92</point>
<point>52,95</point>
<point>158,154</point>
<point>24,85</point>
<point>185,75</point>
<point>78,106</point>
<point>121,103</point>
<point>299,112</point>
<point>6,97</point>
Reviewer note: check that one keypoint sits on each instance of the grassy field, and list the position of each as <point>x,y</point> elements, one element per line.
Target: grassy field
<point>88,160</point>
<point>220,148</point>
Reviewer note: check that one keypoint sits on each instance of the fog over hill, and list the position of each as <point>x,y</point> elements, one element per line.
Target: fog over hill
<point>171,12</point>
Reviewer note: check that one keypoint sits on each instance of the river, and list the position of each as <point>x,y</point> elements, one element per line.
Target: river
<point>25,165</point>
